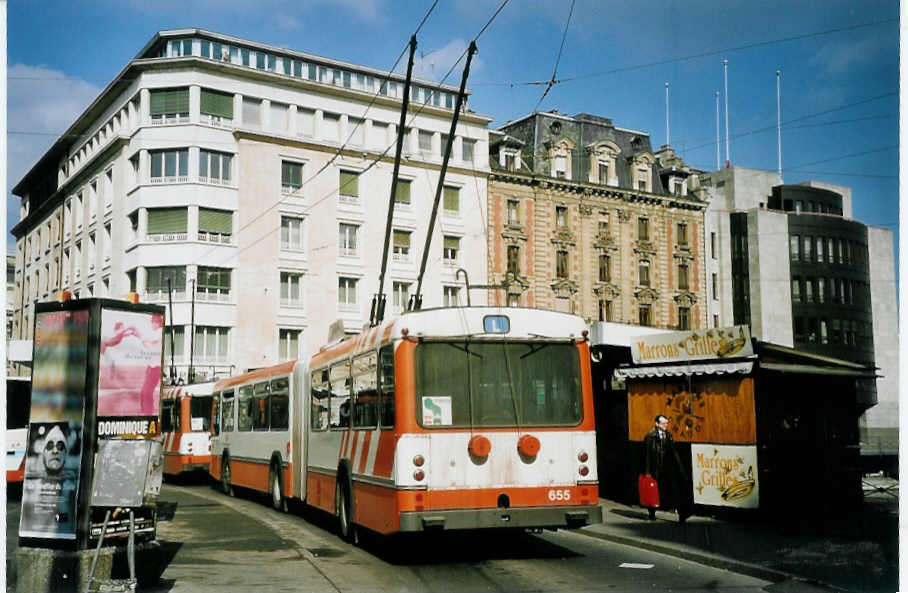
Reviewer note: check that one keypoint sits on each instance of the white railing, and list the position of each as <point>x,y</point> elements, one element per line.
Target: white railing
<point>216,120</point>
<point>171,179</point>
<point>166,237</point>
<point>452,213</point>
<point>214,297</point>
<point>292,190</point>
<point>450,263</point>
<point>214,180</point>
<point>161,295</point>
<point>215,237</point>
<point>169,118</point>
<point>401,257</point>
<point>348,251</point>
<point>348,199</point>
<point>292,303</point>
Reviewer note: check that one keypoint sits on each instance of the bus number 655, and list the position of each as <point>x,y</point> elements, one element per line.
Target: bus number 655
<point>559,495</point>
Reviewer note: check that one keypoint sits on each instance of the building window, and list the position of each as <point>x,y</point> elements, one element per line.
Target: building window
<point>451,296</point>
<point>603,173</point>
<point>510,161</point>
<point>683,279</point>
<point>451,200</point>
<point>288,344</point>
<point>682,233</point>
<point>215,226</point>
<point>561,264</point>
<point>642,179</point>
<point>643,229</point>
<point>712,245</point>
<point>167,224</point>
<point>513,212</point>
<point>606,310</point>
<point>561,217</point>
<point>211,344</point>
<point>513,259</point>
<point>159,279</point>
<point>795,247</point>
<point>808,290</point>
<point>645,313</point>
<point>213,284</point>
<point>821,288</point>
<point>402,192</point>
<point>331,127</point>
<point>252,113</point>
<point>643,270</point>
<point>347,243</point>
<point>348,187</point>
<point>401,246</point>
<point>451,249</point>
<point>683,318</point>
<point>169,166</point>
<point>346,293</point>
<point>425,141</point>
<point>603,228</point>
<point>824,332</point>
<point>279,120</point>
<point>169,106</point>
<point>291,177</point>
<point>796,289</point>
<point>715,285</point>
<point>820,256</point>
<point>400,294</point>
<point>605,268</point>
<point>173,342</point>
<point>830,250</point>
<point>291,289</point>
<point>216,108</point>
<point>214,167</point>
<point>468,149</point>
<point>808,249</point>
<point>292,233</point>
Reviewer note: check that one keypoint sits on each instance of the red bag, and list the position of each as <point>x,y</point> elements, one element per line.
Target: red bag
<point>649,491</point>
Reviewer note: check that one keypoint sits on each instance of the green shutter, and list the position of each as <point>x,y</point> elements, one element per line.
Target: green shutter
<point>170,101</point>
<point>167,220</point>
<point>452,243</point>
<point>215,221</point>
<point>218,104</point>
<point>402,238</point>
<point>214,278</point>
<point>291,174</point>
<point>452,198</point>
<point>402,193</point>
<point>349,183</point>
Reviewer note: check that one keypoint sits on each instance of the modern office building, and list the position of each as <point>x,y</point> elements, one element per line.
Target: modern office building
<point>249,185</point>
<point>791,262</point>
<point>585,217</point>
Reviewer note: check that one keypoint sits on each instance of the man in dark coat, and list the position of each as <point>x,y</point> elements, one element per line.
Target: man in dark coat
<point>664,465</point>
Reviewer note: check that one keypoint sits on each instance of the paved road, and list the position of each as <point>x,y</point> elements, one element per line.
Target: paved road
<point>222,544</point>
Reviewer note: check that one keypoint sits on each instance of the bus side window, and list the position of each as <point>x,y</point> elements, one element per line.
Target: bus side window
<point>339,408</point>
<point>262,407</point>
<point>227,411</point>
<point>320,400</point>
<point>177,414</point>
<point>244,422</point>
<point>365,392</point>
<point>167,415</point>
<point>215,412</point>
<point>386,385</point>
<point>280,404</point>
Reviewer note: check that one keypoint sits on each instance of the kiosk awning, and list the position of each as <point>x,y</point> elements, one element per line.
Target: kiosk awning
<point>808,369</point>
<point>683,370</point>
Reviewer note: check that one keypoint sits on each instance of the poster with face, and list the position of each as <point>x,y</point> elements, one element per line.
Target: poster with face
<point>51,484</point>
<point>58,370</point>
<point>129,367</point>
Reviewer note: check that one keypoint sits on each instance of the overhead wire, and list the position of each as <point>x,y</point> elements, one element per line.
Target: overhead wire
<point>551,82</point>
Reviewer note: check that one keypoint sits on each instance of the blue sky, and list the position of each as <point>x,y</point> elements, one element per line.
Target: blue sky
<point>839,63</point>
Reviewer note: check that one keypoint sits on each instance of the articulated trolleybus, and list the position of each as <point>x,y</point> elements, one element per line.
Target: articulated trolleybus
<point>454,418</point>
<point>185,424</point>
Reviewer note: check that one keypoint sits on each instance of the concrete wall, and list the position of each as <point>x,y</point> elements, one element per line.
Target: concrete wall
<point>885,328</point>
<point>770,277</point>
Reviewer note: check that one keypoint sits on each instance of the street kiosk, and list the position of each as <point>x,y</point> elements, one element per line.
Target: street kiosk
<point>94,461</point>
<point>757,425</point>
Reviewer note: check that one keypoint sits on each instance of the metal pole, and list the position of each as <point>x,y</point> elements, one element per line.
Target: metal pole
<point>727,157</point>
<point>191,375</point>
<point>668,141</point>
<point>170,306</point>
<point>779,116</point>
<point>378,306</point>
<point>718,135</point>
<point>441,177</point>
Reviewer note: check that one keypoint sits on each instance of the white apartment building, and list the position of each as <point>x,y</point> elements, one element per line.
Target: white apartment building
<point>249,185</point>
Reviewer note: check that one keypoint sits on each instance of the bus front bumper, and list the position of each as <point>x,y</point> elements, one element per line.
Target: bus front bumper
<point>570,517</point>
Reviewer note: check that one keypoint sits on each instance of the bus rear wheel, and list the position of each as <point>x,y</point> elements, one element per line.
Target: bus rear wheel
<point>226,485</point>
<point>345,514</point>
<point>277,493</point>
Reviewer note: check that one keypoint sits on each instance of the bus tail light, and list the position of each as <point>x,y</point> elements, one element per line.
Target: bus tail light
<point>418,475</point>
<point>528,445</point>
<point>584,470</point>
<point>480,446</point>
<point>419,460</point>
<point>582,457</point>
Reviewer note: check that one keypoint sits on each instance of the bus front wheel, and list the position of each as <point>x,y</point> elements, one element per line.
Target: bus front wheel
<point>277,493</point>
<point>345,514</point>
<point>226,485</point>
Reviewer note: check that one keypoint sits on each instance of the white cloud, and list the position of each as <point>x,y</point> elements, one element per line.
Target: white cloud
<point>434,64</point>
<point>42,104</point>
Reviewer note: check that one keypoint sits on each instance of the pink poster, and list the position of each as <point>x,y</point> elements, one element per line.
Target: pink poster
<point>129,369</point>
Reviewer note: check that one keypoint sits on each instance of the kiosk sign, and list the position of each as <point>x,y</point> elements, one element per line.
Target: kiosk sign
<point>725,475</point>
<point>704,344</point>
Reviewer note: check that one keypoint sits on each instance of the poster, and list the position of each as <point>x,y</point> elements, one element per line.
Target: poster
<point>59,366</point>
<point>129,365</point>
<point>725,475</point>
<point>51,484</point>
<point>436,411</point>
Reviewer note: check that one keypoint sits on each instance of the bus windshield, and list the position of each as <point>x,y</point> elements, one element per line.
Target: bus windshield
<point>497,384</point>
<point>200,413</point>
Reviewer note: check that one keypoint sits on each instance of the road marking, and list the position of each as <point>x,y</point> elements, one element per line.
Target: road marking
<point>635,565</point>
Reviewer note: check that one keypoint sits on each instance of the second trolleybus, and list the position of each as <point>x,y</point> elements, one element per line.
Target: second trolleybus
<point>454,418</point>
<point>185,425</point>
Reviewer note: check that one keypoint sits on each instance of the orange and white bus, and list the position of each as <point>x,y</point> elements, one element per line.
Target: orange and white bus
<point>18,403</point>
<point>454,418</point>
<point>185,424</point>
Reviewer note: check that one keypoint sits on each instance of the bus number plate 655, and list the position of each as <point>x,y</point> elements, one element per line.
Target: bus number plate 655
<point>559,495</point>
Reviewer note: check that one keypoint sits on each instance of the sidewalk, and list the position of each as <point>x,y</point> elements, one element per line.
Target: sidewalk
<point>856,552</point>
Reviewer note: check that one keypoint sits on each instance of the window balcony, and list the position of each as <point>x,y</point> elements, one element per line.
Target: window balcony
<point>166,237</point>
<point>401,256</point>
<point>215,237</point>
<point>348,252</point>
<point>214,181</point>
<point>171,179</point>
<point>292,303</point>
<point>169,119</point>
<point>292,191</point>
<point>216,121</point>
<point>348,199</point>
<point>213,296</point>
<point>157,296</point>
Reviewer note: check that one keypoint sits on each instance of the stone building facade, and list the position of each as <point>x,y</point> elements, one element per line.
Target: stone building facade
<point>585,218</point>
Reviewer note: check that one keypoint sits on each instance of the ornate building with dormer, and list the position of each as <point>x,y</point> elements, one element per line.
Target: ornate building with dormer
<point>584,217</point>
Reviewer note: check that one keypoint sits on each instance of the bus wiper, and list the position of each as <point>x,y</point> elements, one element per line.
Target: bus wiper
<point>534,350</point>
<point>464,348</point>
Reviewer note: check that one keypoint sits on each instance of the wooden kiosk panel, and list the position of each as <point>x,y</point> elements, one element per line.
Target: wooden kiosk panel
<point>704,409</point>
